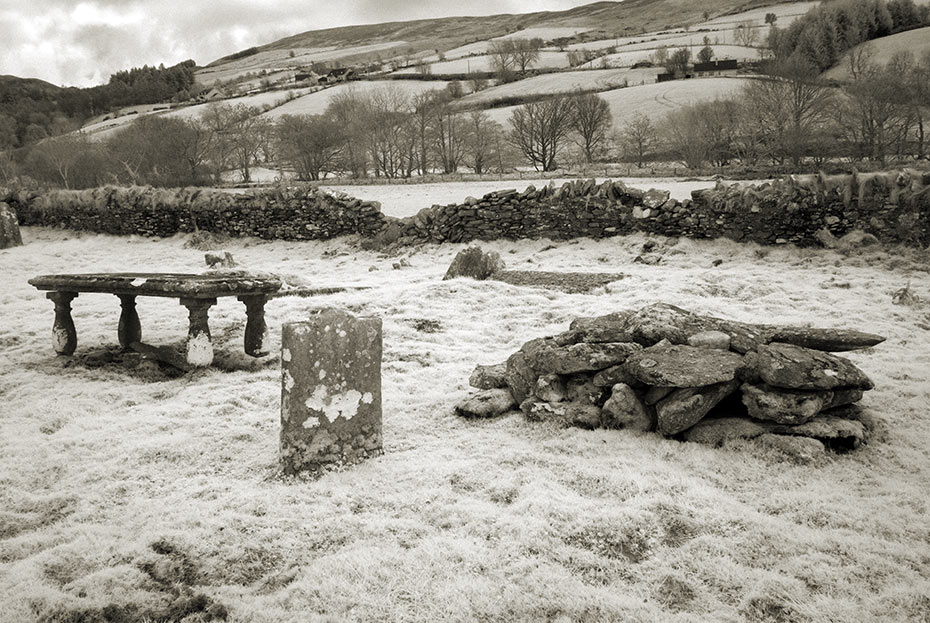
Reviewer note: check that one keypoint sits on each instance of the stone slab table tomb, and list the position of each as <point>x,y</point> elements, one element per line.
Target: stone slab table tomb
<point>195,292</point>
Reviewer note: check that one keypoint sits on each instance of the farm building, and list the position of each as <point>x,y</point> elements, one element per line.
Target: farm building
<point>725,67</point>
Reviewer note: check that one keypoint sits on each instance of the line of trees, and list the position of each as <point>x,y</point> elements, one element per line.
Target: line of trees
<point>790,116</point>
<point>32,110</point>
<point>384,132</point>
<point>823,34</point>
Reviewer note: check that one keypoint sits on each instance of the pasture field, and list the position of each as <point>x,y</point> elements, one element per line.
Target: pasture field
<point>105,129</point>
<point>547,59</point>
<point>280,59</point>
<point>316,103</point>
<point>546,33</point>
<point>653,100</point>
<point>124,488</point>
<point>785,14</point>
<point>915,41</point>
<point>563,82</point>
<point>628,59</point>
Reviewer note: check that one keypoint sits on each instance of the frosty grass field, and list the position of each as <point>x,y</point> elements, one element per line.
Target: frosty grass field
<point>111,476</point>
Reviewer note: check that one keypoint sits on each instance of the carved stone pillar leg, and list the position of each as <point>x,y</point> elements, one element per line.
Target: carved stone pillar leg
<point>255,327</point>
<point>130,329</point>
<point>64,335</point>
<point>199,346</point>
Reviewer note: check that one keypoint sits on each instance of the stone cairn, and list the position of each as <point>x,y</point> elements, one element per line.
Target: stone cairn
<point>698,378</point>
<point>330,391</point>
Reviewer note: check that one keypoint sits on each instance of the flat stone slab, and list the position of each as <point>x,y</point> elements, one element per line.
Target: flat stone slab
<point>796,367</point>
<point>573,283</point>
<point>177,285</point>
<point>662,321</point>
<point>582,357</point>
<point>668,365</point>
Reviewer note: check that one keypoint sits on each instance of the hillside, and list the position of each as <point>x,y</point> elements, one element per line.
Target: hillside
<point>916,42</point>
<point>614,17</point>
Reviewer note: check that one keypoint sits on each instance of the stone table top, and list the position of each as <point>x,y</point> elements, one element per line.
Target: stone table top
<point>179,285</point>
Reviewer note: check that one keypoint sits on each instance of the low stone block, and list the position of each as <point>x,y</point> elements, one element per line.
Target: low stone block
<point>550,388</point>
<point>684,408</point>
<point>520,376</point>
<point>489,377</point>
<point>784,406</point>
<point>624,409</point>
<point>487,404</point>
<point>331,391</point>
<point>718,431</point>
<point>801,449</point>
<point>475,263</point>
<point>564,413</point>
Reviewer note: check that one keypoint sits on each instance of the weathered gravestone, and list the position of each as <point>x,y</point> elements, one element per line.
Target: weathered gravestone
<point>9,228</point>
<point>331,391</point>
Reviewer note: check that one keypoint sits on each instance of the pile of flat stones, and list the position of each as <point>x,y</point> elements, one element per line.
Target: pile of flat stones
<point>688,376</point>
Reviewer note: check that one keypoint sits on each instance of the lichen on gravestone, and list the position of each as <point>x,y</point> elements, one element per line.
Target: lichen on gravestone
<point>331,391</point>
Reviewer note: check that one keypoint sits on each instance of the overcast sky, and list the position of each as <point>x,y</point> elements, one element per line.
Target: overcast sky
<point>82,42</point>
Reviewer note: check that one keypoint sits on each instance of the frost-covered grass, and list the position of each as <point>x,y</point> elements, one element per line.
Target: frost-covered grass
<point>562,82</point>
<point>653,100</point>
<point>547,59</point>
<point>122,487</point>
<point>316,103</point>
<point>917,42</point>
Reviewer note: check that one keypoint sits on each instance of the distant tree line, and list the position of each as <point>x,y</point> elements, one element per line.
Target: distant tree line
<point>823,34</point>
<point>790,116</point>
<point>379,133</point>
<point>32,110</point>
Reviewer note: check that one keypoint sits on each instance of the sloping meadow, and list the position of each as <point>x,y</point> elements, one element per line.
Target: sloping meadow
<point>136,493</point>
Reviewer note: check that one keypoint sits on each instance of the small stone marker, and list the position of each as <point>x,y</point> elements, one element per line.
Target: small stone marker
<point>330,391</point>
<point>9,228</point>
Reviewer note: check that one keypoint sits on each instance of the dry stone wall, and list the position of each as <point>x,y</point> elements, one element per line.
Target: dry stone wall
<point>805,210</point>
<point>288,214</point>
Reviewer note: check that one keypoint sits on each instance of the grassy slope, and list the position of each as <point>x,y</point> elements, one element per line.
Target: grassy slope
<point>316,103</point>
<point>914,41</point>
<point>653,100</point>
<point>630,15</point>
<point>459,521</point>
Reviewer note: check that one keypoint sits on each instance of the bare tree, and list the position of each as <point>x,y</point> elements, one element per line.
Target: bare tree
<point>877,112</point>
<point>449,131</point>
<point>348,109</point>
<point>792,105</point>
<point>525,52</point>
<point>639,137</point>
<point>660,56</point>
<point>590,120</point>
<point>310,143</point>
<point>481,141</point>
<point>539,129</point>
<point>386,130</point>
<point>745,33</point>
<point>502,59</point>
<point>677,62</point>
